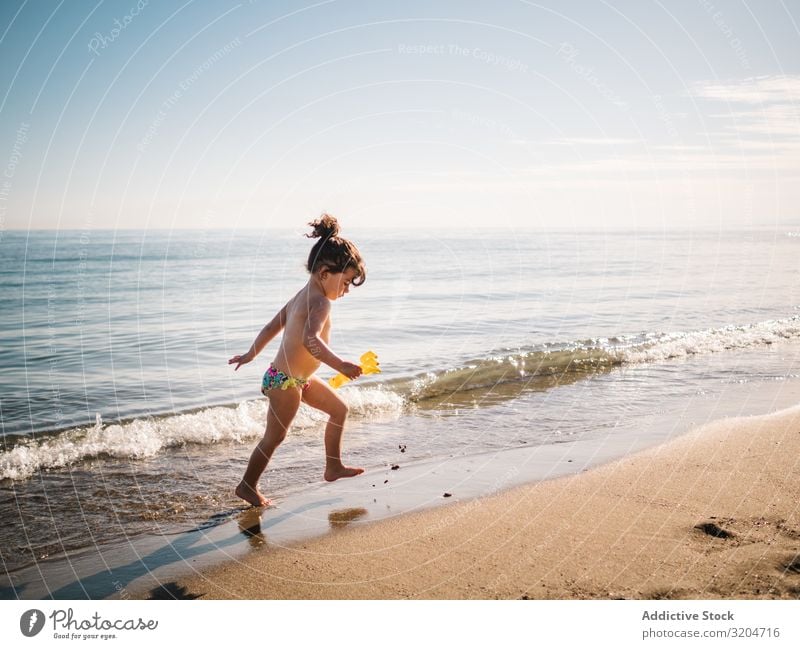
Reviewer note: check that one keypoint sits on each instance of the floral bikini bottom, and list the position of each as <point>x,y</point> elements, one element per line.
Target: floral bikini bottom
<point>276,379</point>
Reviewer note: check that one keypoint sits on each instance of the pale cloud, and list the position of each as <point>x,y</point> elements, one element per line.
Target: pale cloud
<point>682,147</point>
<point>601,141</point>
<point>759,133</point>
<point>749,156</point>
<point>756,130</point>
<point>765,109</point>
<point>572,141</point>
<point>775,120</point>
<point>755,90</point>
<point>679,162</point>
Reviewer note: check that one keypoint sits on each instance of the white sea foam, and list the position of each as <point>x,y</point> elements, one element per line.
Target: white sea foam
<point>146,437</point>
<point>708,341</point>
<point>375,404</point>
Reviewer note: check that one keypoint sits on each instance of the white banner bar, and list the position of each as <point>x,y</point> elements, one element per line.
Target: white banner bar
<point>396,624</point>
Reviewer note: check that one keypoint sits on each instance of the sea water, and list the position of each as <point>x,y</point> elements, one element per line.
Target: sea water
<point>120,416</point>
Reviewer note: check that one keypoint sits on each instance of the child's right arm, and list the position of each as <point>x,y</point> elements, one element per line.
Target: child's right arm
<point>270,330</point>
<point>318,313</point>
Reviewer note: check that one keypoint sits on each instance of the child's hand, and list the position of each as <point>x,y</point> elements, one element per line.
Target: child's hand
<point>241,360</point>
<point>351,370</point>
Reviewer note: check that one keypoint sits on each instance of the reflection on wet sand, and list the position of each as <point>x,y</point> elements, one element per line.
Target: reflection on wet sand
<point>344,517</point>
<point>250,525</point>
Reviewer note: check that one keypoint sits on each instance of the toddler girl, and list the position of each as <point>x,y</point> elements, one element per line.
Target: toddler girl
<point>335,265</point>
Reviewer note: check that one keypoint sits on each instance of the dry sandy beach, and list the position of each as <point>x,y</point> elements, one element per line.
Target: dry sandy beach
<point>712,514</point>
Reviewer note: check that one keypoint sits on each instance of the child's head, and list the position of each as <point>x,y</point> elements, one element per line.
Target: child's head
<point>333,259</point>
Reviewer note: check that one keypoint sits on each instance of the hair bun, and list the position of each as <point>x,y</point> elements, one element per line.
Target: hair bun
<point>325,227</point>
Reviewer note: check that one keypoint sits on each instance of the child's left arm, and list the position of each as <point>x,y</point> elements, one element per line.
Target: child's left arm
<point>270,330</point>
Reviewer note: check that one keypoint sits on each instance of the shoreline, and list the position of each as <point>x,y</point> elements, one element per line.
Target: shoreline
<point>139,566</point>
<point>550,494</point>
<point>712,514</point>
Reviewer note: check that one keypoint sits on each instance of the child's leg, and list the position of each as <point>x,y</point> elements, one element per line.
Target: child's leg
<point>283,405</point>
<point>321,396</point>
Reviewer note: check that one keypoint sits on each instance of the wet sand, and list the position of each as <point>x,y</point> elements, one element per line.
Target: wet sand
<point>713,514</point>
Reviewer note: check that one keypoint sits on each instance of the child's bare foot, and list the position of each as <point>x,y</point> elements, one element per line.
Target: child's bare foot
<point>341,471</point>
<point>251,495</point>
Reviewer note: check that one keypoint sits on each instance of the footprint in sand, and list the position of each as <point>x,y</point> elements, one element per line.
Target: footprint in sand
<point>712,529</point>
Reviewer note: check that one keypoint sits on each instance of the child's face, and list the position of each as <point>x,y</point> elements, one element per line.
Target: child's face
<point>337,285</point>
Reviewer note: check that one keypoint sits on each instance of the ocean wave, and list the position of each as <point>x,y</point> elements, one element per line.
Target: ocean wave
<point>665,346</point>
<point>569,360</point>
<point>148,436</point>
<point>557,362</point>
<point>572,359</point>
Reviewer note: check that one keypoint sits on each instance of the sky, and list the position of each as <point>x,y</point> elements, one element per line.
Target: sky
<point>507,114</point>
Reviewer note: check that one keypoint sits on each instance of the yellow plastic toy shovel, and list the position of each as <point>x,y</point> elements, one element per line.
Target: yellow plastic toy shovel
<point>369,365</point>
